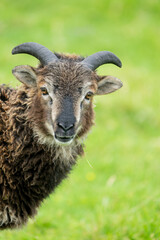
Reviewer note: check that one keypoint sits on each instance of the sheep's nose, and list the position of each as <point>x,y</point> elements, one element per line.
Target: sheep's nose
<point>65,126</point>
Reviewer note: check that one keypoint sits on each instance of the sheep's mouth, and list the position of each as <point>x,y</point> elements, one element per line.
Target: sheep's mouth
<point>64,139</point>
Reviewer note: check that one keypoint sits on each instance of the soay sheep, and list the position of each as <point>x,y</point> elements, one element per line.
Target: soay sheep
<point>43,123</point>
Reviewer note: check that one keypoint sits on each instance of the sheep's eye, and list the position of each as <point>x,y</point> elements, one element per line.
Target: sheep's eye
<point>44,91</point>
<point>88,95</point>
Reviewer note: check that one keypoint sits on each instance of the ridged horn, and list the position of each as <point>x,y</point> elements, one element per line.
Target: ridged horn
<point>97,59</point>
<point>42,53</point>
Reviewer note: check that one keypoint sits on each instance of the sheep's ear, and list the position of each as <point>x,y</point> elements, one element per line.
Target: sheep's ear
<point>108,84</point>
<point>26,75</point>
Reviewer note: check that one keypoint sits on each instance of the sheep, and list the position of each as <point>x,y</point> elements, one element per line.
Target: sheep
<point>43,123</point>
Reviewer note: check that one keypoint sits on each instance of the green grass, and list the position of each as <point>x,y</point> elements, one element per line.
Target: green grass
<point>113,193</point>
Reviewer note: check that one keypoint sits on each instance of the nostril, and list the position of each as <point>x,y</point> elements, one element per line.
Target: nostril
<point>65,127</point>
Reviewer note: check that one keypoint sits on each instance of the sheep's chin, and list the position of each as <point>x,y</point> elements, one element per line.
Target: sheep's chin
<point>63,143</point>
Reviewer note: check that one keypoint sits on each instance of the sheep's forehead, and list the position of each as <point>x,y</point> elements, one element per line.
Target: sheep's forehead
<point>68,77</point>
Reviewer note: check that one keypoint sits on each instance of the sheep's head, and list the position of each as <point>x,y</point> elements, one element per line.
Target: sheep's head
<point>64,87</point>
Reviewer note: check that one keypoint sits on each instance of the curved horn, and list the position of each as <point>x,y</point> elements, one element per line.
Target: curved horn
<point>97,59</point>
<point>37,50</point>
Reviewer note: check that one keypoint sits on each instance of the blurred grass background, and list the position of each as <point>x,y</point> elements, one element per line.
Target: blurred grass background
<point>113,193</point>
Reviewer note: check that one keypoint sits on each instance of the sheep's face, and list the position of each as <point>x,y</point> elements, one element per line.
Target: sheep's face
<point>62,105</point>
